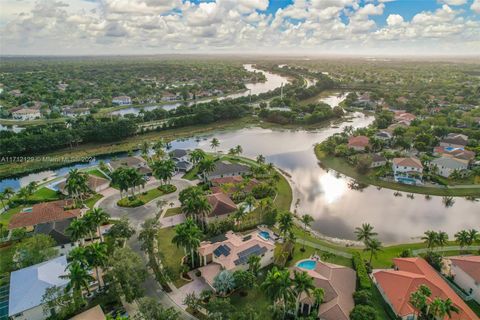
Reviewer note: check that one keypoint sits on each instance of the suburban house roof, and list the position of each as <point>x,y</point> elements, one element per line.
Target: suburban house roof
<point>26,111</point>
<point>338,283</point>
<point>221,204</point>
<point>28,285</point>
<point>384,134</point>
<point>227,168</point>
<point>55,229</point>
<point>178,153</point>
<point>134,161</point>
<point>121,98</point>
<point>450,162</point>
<point>183,165</point>
<point>235,249</point>
<point>408,162</point>
<point>404,116</point>
<point>459,153</point>
<point>224,180</point>
<point>358,141</point>
<point>95,313</point>
<point>42,213</point>
<point>377,157</point>
<point>92,182</point>
<point>232,184</point>
<point>469,264</point>
<point>399,284</point>
<point>454,138</point>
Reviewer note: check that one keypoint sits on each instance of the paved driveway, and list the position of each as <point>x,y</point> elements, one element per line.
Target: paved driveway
<point>139,214</point>
<point>197,286</point>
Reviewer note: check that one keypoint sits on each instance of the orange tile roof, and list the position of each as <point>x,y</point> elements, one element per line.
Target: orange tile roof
<point>408,162</point>
<point>221,204</point>
<point>399,284</point>
<point>358,141</point>
<point>469,264</point>
<point>42,213</point>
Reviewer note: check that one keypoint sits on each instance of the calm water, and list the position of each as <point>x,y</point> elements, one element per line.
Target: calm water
<point>337,207</point>
<point>273,81</point>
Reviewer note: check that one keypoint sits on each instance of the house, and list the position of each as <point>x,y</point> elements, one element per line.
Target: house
<point>26,114</point>
<point>133,162</point>
<point>122,100</point>
<point>407,170</point>
<point>383,135</point>
<point>398,284</point>
<point>446,165</point>
<point>377,160</point>
<point>404,117</point>
<point>95,313</point>
<point>454,140</point>
<point>28,285</point>
<point>338,284</point>
<point>58,231</point>
<point>391,128</point>
<point>466,274</point>
<point>458,153</point>
<point>167,96</point>
<point>222,207</point>
<point>181,159</point>
<point>225,169</point>
<point>231,252</point>
<point>43,213</point>
<point>358,143</point>
<point>94,183</point>
<point>76,112</point>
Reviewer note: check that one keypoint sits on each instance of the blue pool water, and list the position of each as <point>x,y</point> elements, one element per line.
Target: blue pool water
<point>307,264</point>
<point>406,180</point>
<point>264,235</point>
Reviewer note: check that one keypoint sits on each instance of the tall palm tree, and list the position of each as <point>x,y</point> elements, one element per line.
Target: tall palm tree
<point>365,233</point>
<point>163,170</point>
<point>462,238</point>
<point>97,257</point>
<point>197,155</point>
<point>214,144</point>
<point>238,150</point>
<point>3,197</point>
<point>31,187</point>
<point>430,239</point>
<point>79,279</point>
<point>254,264</point>
<point>260,159</point>
<point>188,235</point>
<point>79,255</point>
<point>373,246</point>
<point>99,217</point>
<point>77,230</point>
<point>473,236</point>
<point>8,192</point>
<point>206,166</point>
<point>318,295</point>
<point>302,283</point>
<point>277,286</point>
<point>23,194</point>
<point>449,307</point>
<point>76,184</point>
<point>307,221</point>
<point>144,147</point>
<point>442,239</point>
<point>265,205</point>
<point>285,221</point>
<point>285,289</point>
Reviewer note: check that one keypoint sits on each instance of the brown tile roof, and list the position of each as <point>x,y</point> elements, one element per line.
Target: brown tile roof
<point>42,213</point>
<point>224,180</point>
<point>358,141</point>
<point>457,153</point>
<point>408,162</point>
<point>232,185</point>
<point>469,264</point>
<point>338,283</point>
<point>95,313</point>
<point>221,204</point>
<point>399,284</point>
<point>93,182</point>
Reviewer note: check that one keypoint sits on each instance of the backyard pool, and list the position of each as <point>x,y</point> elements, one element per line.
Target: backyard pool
<point>264,234</point>
<point>307,264</point>
<point>406,180</point>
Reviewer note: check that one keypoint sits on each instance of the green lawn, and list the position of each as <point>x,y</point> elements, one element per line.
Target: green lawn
<point>172,255</point>
<point>342,166</point>
<point>6,261</point>
<point>172,212</point>
<point>147,196</point>
<point>192,174</point>
<point>92,200</point>
<point>6,216</point>
<point>96,172</point>
<point>284,196</point>
<point>309,251</point>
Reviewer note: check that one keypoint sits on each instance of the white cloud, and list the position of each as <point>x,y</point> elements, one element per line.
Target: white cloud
<point>394,20</point>
<point>454,2</point>
<point>476,6</point>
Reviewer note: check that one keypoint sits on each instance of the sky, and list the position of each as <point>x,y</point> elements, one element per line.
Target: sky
<point>299,27</point>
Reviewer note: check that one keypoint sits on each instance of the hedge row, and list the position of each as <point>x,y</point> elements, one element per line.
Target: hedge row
<point>362,275</point>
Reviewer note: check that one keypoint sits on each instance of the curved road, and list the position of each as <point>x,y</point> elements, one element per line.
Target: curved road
<point>136,217</point>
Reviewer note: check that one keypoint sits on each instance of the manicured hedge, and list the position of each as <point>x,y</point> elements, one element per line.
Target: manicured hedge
<point>362,275</point>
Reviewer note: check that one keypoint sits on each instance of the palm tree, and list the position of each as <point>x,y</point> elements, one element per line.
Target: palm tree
<point>3,197</point>
<point>302,283</point>
<point>144,147</point>
<point>79,255</point>
<point>197,155</point>
<point>365,233</point>
<point>79,279</point>
<point>99,217</point>
<point>240,213</point>
<point>442,239</point>
<point>265,205</point>
<point>214,144</point>
<point>206,166</point>
<point>163,170</point>
<point>188,235</point>
<point>448,308</point>
<point>318,294</point>
<point>285,221</point>
<point>254,264</point>
<point>76,184</point>
<point>8,192</point>
<point>277,286</point>
<point>260,159</point>
<point>307,221</point>
<point>285,289</point>
<point>238,150</point>
<point>77,230</point>
<point>430,239</point>
<point>23,194</point>
<point>373,246</point>
<point>462,238</point>
<point>473,236</point>
<point>97,257</point>
<point>31,187</point>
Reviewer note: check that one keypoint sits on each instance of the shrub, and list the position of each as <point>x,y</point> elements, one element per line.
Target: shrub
<point>362,275</point>
<point>167,188</point>
<point>362,312</point>
<point>130,202</point>
<point>435,260</point>
<point>362,297</point>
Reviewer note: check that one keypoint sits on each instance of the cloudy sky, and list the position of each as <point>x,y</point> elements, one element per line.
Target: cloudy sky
<point>57,27</point>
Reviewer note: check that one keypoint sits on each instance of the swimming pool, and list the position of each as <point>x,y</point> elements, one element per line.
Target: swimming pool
<point>307,264</point>
<point>406,180</point>
<point>264,234</point>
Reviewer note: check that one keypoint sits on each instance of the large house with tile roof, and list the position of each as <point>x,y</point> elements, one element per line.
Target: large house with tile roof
<point>396,285</point>
<point>221,207</point>
<point>231,252</point>
<point>94,183</point>
<point>454,140</point>
<point>466,274</point>
<point>338,284</point>
<point>358,143</point>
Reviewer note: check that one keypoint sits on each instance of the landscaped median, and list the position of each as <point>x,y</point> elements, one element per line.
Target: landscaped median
<point>140,199</point>
<point>342,166</point>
